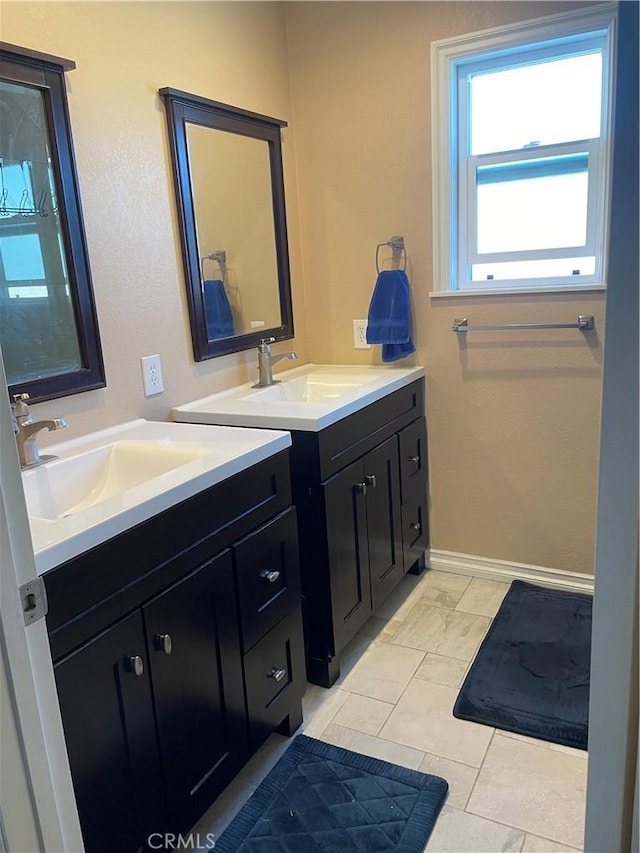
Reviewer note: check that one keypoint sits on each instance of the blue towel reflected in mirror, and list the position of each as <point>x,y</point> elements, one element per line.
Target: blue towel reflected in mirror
<point>389,321</point>
<point>217,310</point>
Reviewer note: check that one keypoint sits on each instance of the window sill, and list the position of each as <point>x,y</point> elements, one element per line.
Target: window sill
<point>482,291</point>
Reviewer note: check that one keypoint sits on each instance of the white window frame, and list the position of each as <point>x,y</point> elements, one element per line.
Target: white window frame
<point>451,59</point>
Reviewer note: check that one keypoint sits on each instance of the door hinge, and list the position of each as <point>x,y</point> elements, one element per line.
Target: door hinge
<point>33,598</point>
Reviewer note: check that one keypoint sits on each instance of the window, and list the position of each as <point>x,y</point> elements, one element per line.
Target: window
<point>521,155</point>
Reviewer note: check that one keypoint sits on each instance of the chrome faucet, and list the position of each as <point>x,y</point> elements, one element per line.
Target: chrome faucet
<point>266,362</point>
<point>26,431</point>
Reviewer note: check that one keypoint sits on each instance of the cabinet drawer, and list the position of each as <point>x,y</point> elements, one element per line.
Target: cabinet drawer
<point>415,529</point>
<point>268,576</point>
<point>413,458</point>
<point>413,481</point>
<point>274,673</point>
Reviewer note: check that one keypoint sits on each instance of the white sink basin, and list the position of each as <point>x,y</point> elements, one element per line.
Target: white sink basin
<point>69,486</point>
<point>107,482</point>
<point>313,388</point>
<point>307,398</point>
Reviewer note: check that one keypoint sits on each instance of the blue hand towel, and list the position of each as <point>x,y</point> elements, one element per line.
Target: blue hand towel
<point>389,321</point>
<point>217,310</point>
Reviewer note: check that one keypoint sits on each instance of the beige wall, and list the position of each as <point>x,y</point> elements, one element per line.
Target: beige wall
<point>512,418</point>
<point>126,51</point>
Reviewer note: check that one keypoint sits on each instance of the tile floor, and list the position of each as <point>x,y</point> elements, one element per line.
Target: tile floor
<point>399,681</point>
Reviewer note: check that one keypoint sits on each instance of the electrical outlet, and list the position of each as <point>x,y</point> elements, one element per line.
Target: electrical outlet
<point>151,375</point>
<point>360,335</point>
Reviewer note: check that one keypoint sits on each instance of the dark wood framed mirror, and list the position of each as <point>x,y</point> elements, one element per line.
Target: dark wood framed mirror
<point>48,323</point>
<point>227,166</point>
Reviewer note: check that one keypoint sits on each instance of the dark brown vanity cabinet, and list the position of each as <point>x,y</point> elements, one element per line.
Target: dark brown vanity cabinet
<point>179,654</point>
<point>360,488</point>
<point>171,673</point>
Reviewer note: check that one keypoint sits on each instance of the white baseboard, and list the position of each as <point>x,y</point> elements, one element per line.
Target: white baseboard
<point>501,570</point>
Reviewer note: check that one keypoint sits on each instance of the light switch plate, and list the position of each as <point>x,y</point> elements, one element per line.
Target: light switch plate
<point>151,375</point>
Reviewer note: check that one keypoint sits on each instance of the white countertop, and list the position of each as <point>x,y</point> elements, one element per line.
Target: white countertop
<point>211,454</point>
<point>234,408</point>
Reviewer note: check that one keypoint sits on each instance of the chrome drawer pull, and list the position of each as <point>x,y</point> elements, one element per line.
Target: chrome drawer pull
<point>360,488</point>
<point>269,575</point>
<point>163,643</point>
<point>370,480</point>
<point>415,525</point>
<point>415,459</point>
<point>277,674</point>
<point>134,664</point>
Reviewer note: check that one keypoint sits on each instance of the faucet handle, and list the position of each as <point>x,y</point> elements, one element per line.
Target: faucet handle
<point>20,409</point>
<point>263,346</point>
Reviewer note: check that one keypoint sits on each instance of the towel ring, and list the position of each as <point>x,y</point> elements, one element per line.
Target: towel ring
<point>395,243</point>
<point>219,257</point>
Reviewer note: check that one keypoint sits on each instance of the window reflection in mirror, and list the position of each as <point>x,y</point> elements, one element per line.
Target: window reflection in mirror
<point>48,329</point>
<point>230,193</point>
<point>36,324</point>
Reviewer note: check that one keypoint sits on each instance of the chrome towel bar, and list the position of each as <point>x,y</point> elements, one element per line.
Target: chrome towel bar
<point>585,324</point>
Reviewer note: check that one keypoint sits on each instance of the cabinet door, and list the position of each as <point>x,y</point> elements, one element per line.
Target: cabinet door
<point>196,671</point>
<point>346,517</point>
<point>384,524</point>
<point>413,470</point>
<point>107,714</point>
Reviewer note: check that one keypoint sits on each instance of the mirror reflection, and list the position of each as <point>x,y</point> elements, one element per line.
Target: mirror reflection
<point>230,192</point>
<point>37,324</point>
<point>235,231</point>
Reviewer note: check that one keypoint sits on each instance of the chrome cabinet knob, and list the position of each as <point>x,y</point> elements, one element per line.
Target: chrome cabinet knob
<point>370,480</point>
<point>360,488</point>
<point>269,575</point>
<point>415,525</point>
<point>414,459</point>
<point>277,674</point>
<point>134,664</point>
<point>163,643</point>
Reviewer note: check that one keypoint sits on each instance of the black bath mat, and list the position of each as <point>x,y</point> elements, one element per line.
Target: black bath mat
<point>531,673</point>
<point>320,798</point>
